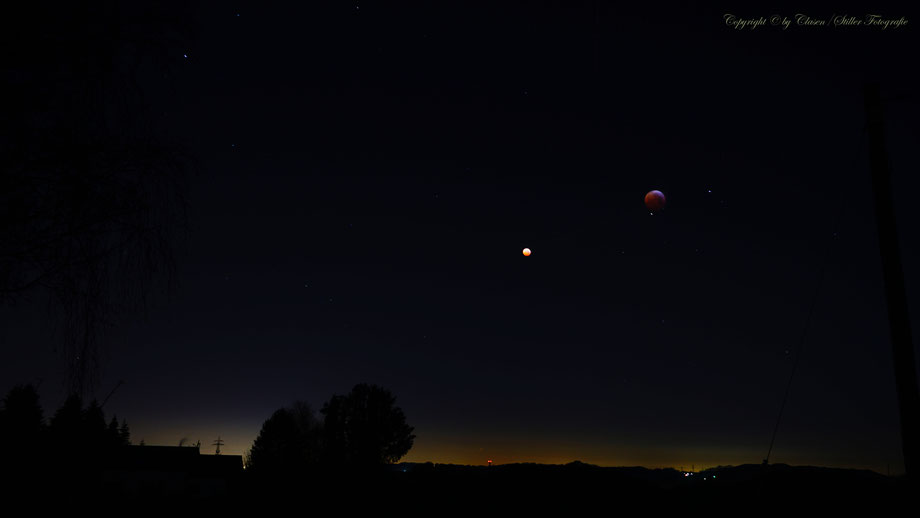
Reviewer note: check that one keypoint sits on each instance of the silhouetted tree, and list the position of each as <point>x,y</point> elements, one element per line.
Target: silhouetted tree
<point>114,435</point>
<point>335,443</point>
<point>91,193</point>
<point>66,427</point>
<point>23,447</point>
<point>79,436</point>
<point>22,428</point>
<point>39,459</point>
<point>111,433</point>
<point>278,446</point>
<point>21,418</point>
<point>289,441</point>
<point>365,428</point>
<point>311,431</point>
<point>124,434</point>
<point>94,435</point>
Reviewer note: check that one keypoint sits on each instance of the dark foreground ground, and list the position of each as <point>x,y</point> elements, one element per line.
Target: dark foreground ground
<point>432,489</point>
<point>582,487</point>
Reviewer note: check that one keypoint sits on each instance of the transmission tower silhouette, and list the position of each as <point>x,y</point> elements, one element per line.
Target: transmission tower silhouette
<point>217,443</point>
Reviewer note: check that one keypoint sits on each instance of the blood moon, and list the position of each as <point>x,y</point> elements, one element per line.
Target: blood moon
<point>654,200</point>
<point>526,252</point>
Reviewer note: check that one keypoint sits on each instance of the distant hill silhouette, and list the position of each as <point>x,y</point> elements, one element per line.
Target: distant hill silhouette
<point>580,488</point>
<point>581,483</point>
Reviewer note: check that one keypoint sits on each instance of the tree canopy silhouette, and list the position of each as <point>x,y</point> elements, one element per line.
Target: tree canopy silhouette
<point>75,429</point>
<point>362,429</point>
<point>21,419</point>
<point>289,441</point>
<point>76,437</point>
<point>365,428</point>
<point>91,193</point>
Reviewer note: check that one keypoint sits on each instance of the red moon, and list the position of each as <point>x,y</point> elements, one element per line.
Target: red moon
<point>526,252</point>
<point>654,200</point>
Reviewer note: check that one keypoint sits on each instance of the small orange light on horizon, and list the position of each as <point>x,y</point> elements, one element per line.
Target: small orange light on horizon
<point>526,252</point>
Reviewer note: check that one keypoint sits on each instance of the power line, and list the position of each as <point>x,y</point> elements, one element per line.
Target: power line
<point>811,310</point>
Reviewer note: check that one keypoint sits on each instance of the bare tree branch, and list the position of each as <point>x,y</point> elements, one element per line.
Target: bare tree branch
<point>92,197</point>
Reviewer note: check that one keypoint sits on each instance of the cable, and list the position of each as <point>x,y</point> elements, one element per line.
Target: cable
<point>811,310</point>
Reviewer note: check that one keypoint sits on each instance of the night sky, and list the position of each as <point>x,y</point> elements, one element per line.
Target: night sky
<point>369,175</point>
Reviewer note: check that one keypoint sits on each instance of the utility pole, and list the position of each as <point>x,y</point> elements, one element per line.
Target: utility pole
<point>902,348</point>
